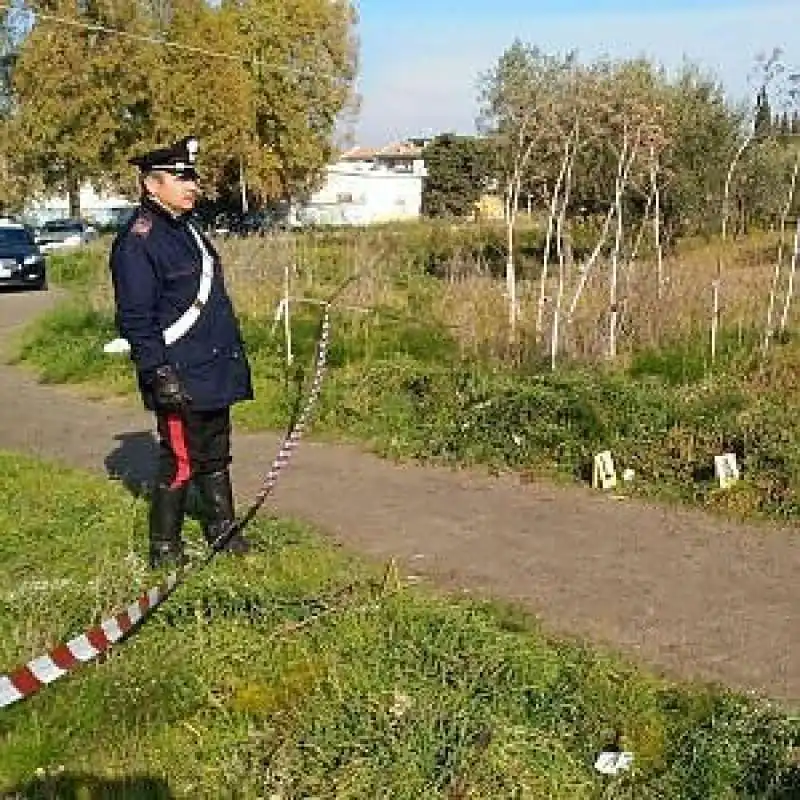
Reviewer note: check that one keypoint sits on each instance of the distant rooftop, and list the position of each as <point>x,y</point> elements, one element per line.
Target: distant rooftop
<point>410,149</point>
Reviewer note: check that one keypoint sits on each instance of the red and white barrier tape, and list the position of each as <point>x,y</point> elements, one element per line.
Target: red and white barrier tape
<point>291,441</point>
<point>62,659</point>
<point>56,663</point>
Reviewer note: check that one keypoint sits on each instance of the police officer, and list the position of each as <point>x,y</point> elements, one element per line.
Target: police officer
<point>174,312</point>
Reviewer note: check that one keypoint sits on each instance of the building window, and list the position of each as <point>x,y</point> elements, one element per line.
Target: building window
<point>344,197</point>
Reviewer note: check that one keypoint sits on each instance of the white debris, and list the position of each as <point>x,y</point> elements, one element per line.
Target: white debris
<point>609,763</point>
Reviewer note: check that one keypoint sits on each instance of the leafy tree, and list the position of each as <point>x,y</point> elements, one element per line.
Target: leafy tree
<point>7,59</point>
<point>457,167</point>
<point>12,178</point>
<point>202,94</point>
<point>762,124</point>
<point>263,82</point>
<point>703,132</point>
<point>761,185</point>
<point>80,94</point>
<point>304,60</point>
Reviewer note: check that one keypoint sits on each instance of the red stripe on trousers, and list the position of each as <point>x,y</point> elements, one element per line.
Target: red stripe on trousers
<point>177,442</point>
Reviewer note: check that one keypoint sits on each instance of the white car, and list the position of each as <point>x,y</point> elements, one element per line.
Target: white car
<point>59,233</point>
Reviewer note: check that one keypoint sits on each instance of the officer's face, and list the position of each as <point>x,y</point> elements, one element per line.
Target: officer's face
<point>178,193</point>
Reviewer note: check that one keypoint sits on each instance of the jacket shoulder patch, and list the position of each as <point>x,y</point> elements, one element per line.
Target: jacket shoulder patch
<point>142,226</point>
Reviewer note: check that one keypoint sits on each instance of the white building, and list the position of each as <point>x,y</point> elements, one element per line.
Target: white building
<point>367,186</point>
<point>99,208</point>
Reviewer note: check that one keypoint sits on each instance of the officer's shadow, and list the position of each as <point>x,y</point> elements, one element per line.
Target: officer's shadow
<point>133,463</point>
<point>90,787</point>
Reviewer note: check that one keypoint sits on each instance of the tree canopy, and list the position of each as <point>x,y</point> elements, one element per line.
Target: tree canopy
<point>630,118</point>
<point>459,169</point>
<point>263,83</point>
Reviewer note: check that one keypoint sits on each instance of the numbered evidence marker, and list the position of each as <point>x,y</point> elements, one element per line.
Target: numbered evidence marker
<point>604,475</point>
<point>727,470</point>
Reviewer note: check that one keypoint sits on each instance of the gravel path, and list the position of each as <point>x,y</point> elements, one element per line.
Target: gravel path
<point>691,594</point>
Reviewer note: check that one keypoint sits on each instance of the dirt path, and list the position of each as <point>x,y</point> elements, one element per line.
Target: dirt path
<point>682,591</point>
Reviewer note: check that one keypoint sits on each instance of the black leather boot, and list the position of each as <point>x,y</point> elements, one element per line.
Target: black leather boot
<point>216,495</point>
<point>167,509</point>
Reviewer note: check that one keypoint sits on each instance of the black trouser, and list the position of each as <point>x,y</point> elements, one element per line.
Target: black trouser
<point>194,443</point>
<point>194,446</point>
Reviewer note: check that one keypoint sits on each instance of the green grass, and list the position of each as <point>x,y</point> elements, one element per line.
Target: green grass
<point>69,348</point>
<point>396,693</point>
<point>79,268</point>
<point>402,388</point>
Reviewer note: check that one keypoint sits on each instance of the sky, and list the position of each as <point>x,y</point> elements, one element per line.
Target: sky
<point>421,59</point>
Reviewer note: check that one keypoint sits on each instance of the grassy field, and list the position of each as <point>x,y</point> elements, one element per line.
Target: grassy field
<point>302,672</point>
<point>420,366</point>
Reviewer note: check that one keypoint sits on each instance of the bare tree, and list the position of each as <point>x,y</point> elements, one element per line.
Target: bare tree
<point>522,103</point>
<point>792,274</point>
<point>768,328</point>
<point>570,149</point>
<point>655,194</point>
<point>767,70</point>
<point>564,172</point>
<point>624,119</point>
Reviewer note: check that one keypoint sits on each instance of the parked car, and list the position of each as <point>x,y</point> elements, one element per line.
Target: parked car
<point>22,262</point>
<point>60,233</point>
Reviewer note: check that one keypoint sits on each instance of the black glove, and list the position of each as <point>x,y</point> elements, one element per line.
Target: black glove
<point>168,391</point>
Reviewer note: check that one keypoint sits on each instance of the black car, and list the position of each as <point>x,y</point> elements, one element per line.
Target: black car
<point>21,260</point>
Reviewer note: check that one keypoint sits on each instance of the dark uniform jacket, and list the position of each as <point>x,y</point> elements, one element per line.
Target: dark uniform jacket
<point>155,269</point>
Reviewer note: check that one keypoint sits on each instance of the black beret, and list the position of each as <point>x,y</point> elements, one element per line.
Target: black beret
<point>178,158</point>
